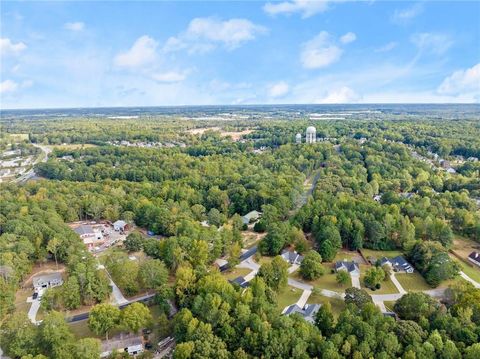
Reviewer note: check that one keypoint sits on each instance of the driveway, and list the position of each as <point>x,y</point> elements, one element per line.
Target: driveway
<point>355,280</point>
<point>303,299</point>
<point>467,278</point>
<point>293,268</point>
<point>32,312</point>
<point>397,284</point>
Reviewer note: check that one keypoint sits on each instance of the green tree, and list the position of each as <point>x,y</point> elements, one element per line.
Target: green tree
<point>52,247</point>
<point>152,274</point>
<point>324,319</point>
<point>134,242</point>
<point>311,267</point>
<point>87,348</point>
<point>342,277</point>
<point>356,296</point>
<point>19,336</point>
<point>103,318</point>
<point>56,339</point>
<point>374,277</point>
<point>135,316</point>
<point>71,293</point>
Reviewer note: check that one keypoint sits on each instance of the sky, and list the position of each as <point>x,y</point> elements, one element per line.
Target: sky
<point>102,54</point>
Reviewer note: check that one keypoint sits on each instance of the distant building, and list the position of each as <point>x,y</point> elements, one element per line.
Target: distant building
<point>251,217</point>
<point>444,163</point>
<point>298,138</point>
<point>292,257</point>
<point>90,237</point>
<point>451,170</point>
<point>133,345</point>
<point>474,257</point>
<point>45,281</point>
<point>240,281</point>
<point>119,225</point>
<point>350,267</point>
<point>311,135</point>
<point>308,311</point>
<point>399,264</point>
<point>377,197</point>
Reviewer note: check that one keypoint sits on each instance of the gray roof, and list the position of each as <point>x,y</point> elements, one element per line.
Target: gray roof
<point>240,281</point>
<point>308,312</point>
<point>350,266</point>
<point>84,229</point>
<point>401,263</point>
<point>43,278</point>
<point>120,223</point>
<point>292,257</point>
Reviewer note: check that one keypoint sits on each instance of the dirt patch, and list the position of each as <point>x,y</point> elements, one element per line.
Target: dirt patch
<point>250,238</point>
<point>463,247</point>
<point>235,135</point>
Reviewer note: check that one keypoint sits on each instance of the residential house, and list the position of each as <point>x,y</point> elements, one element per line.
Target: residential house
<point>119,226</point>
<point>251,217</point>
<point>451,170</point>
<point>350,267</point>
<point>399,264</point>
<point>44,281</point>
<point>241,281</point>
<point>90,237</point>
<point>474,257</point>
<point>292,257</point>
<point>133,345</point>
<point>307,312</point>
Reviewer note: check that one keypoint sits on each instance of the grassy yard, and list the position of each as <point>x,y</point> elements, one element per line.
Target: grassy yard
<point>472,272</point>
<point>236,272</point>
<point>337,304</point>
<point>263,260</point>
<point>326,281</point>
<point>389,305</point>
<point>288,296</point>
<point>379,254</point>
<point>412,282</point>
<point>387,285</point>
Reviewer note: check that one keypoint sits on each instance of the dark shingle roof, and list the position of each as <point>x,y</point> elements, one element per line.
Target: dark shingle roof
<point>474,256</point>
<point>84,229</point>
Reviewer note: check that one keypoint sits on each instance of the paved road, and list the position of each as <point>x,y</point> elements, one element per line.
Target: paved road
<point>42,158</point>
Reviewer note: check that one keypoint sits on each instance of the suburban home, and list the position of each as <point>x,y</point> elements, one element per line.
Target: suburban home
<point>474,257</point>
<point>44,281</point>
<point>240,281</point>
<point>119,225</point>
<point>350,267</point>
<point>133,345</point>
<point>292,257</point>
<point>399,264</point>
<point>307,312</point>
<point>251,217</point>
<point>90,236</point>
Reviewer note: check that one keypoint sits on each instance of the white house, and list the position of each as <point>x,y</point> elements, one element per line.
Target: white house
<point>90,236</point>
<point>44,281</point>
<point>251,217</point>
<point>119,225</point>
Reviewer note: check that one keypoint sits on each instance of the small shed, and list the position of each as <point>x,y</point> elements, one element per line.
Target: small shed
<point>119,225</point>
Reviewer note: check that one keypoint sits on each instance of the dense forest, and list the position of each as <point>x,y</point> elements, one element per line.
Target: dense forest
<point>376,185</point>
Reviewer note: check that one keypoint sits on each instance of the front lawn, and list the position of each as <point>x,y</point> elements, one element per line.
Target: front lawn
<point>337,304</point>
<point>387,285</point>
<point>288,296</point>
<point>472,272</point>
<point>412,282</point>
<point>236,272</point>
<point>326,281</point>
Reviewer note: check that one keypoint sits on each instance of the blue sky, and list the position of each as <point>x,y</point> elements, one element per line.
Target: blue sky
<point>89,54</point>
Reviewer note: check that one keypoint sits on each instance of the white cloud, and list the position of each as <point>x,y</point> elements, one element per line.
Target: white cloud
<point>170,76</point>
<point>8,86</point>
<point>142,52</point>
<point>204,34</point>
<point>405,15</point>
<point>462,82</point>
<point>348,38</point>
<point>432,42</point>
<point>387,47</point>
<point>74,26</point>
<point>7,47</point>
<point>278,89</point>
<point>306,7</point>
<point>343,94</point>
<point>320,52</point>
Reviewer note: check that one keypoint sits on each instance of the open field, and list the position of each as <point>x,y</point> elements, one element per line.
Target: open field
<point>326,281</point>
<point>71,146</point>
<point>288,296</point>
<point>412,282</point>
<point>236,272</point>
<point>463,246</point>
<point>235,135</point>
<point>19,136</point>
<point>470,270</point>
<point>337,304</point>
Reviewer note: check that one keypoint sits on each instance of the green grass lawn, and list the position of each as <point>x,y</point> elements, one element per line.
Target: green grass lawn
<point>264,259</point>
<point>412,282</point>
<point>343,255</point>
<point>389,305</point>
<point>337,304</point>
<point>288,296</point>
<point>472,272</point>
<point>326,281</point>
<point>387,285</point>
<point>236,272</point>
<point>379,254</point>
